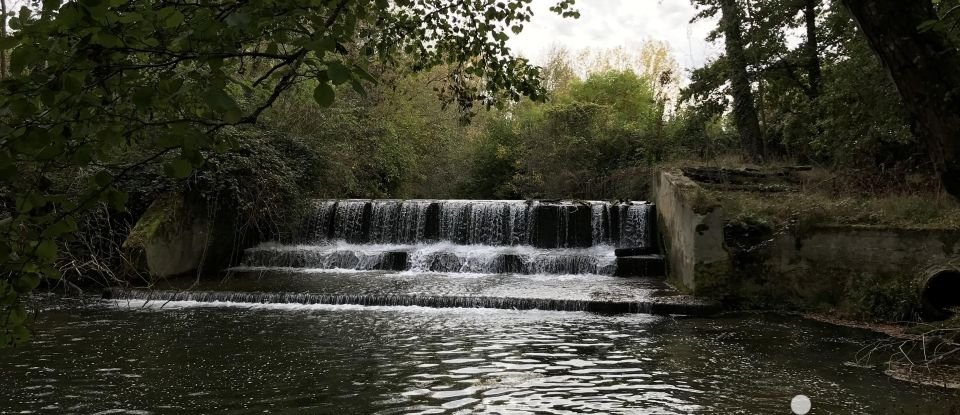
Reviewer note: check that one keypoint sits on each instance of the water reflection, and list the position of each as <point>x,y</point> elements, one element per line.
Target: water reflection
<point>197,358</point>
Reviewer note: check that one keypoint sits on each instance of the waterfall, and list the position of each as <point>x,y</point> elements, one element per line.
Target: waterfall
<point>320,222</point>
<point>483,222</point>
<point>511,254</point>
<point>465,236</point>
<point>440,257</point>
<point>349,220</point>
<point>600,223</point>
<point>634,226</point>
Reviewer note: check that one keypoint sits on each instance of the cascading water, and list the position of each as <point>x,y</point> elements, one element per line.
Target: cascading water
<point>481,222</point>
<point>556,255</point>
<point>464,236</point>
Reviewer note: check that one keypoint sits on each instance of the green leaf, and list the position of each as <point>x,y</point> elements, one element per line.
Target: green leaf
<point>47,250</point>
<point>20,58</point>
<point>927,25</point>
<point>118,200</point>
<point>338,73</point>
<point>143,97</point>
<point>237,19</point>
<point>219,100</point>
<point>51,272</point>
<point>233,116</point>
<point>272,48</point>
<point>26,282</point>
<point>322,45</point>
<point>324,94</point>
<point>73,82</point>
<point>103,178</point>
<point>194,156</point>
<point>358,87</point>
<point>18,314</point>
<point>59,228</point>
<point>363,74</point>
<point>24,204</point>
<point>178,168</point>
<point>170,17</point>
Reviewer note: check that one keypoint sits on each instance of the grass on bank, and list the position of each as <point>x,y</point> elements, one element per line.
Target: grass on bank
<point>895,199</point>
<point>811,208</point>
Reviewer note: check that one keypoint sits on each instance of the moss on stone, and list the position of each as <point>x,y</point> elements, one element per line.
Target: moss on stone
<point>165,236</point>
<point>159,219</point>
<point>702,202</point>
<point>713,279</point>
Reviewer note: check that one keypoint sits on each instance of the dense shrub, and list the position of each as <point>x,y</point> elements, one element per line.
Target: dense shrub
<point>261,183</point>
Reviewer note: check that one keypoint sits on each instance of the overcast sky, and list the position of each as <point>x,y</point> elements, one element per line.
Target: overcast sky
<point>610,23</point>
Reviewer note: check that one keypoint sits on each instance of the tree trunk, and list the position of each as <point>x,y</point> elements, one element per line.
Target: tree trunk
<point>924,66</point>
<point>744,112</point>
<point>812,48</point>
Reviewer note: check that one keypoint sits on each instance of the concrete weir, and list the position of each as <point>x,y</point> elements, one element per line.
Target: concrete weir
<point>540,224</point>
<point>554,255</point>
<point>478,236</point>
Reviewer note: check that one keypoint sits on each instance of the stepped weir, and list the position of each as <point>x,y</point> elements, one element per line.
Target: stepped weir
<point>555,255</point>
<point>482,236</point>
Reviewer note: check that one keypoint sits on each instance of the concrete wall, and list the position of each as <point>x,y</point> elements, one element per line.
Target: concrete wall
<point>869,249</point>
<point>841,265</point>
<point>845,267</point>
<point>691,232</point>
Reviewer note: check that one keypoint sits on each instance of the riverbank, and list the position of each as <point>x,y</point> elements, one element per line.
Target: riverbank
<point>925,354</point>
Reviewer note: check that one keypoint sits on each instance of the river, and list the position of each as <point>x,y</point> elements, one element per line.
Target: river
<point>132,357</point>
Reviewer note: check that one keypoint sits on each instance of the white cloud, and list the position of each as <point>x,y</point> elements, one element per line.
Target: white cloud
<point>605,24</point>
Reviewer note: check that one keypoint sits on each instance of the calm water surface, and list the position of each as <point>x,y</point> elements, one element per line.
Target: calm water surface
<point>105,358</point>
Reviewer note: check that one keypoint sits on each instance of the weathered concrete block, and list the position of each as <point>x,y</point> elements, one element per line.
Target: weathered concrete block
<point>640,266</point>
<point>169,239</point>
<point>866,270</point>
<point>395,261</point>
<point>578,223</point>
<point>546,226</point>
<point>692,229</point>
<point>510,264</point>
<point>431,231</point>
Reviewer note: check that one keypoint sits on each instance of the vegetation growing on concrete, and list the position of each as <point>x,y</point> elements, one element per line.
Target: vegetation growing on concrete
<point>813,208</point>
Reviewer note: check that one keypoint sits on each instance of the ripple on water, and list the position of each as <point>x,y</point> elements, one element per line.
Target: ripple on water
<point>404,360</point>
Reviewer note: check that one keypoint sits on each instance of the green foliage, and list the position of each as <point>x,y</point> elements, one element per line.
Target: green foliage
<point>260,182</point>
<point>92,82</point>
<point>851,118</point>
<point>576,145</point>
<point>393,141</point>
<point>496,160</point>
<point>894,300</point>
<point>820,207</point>
<point>629,96</point>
